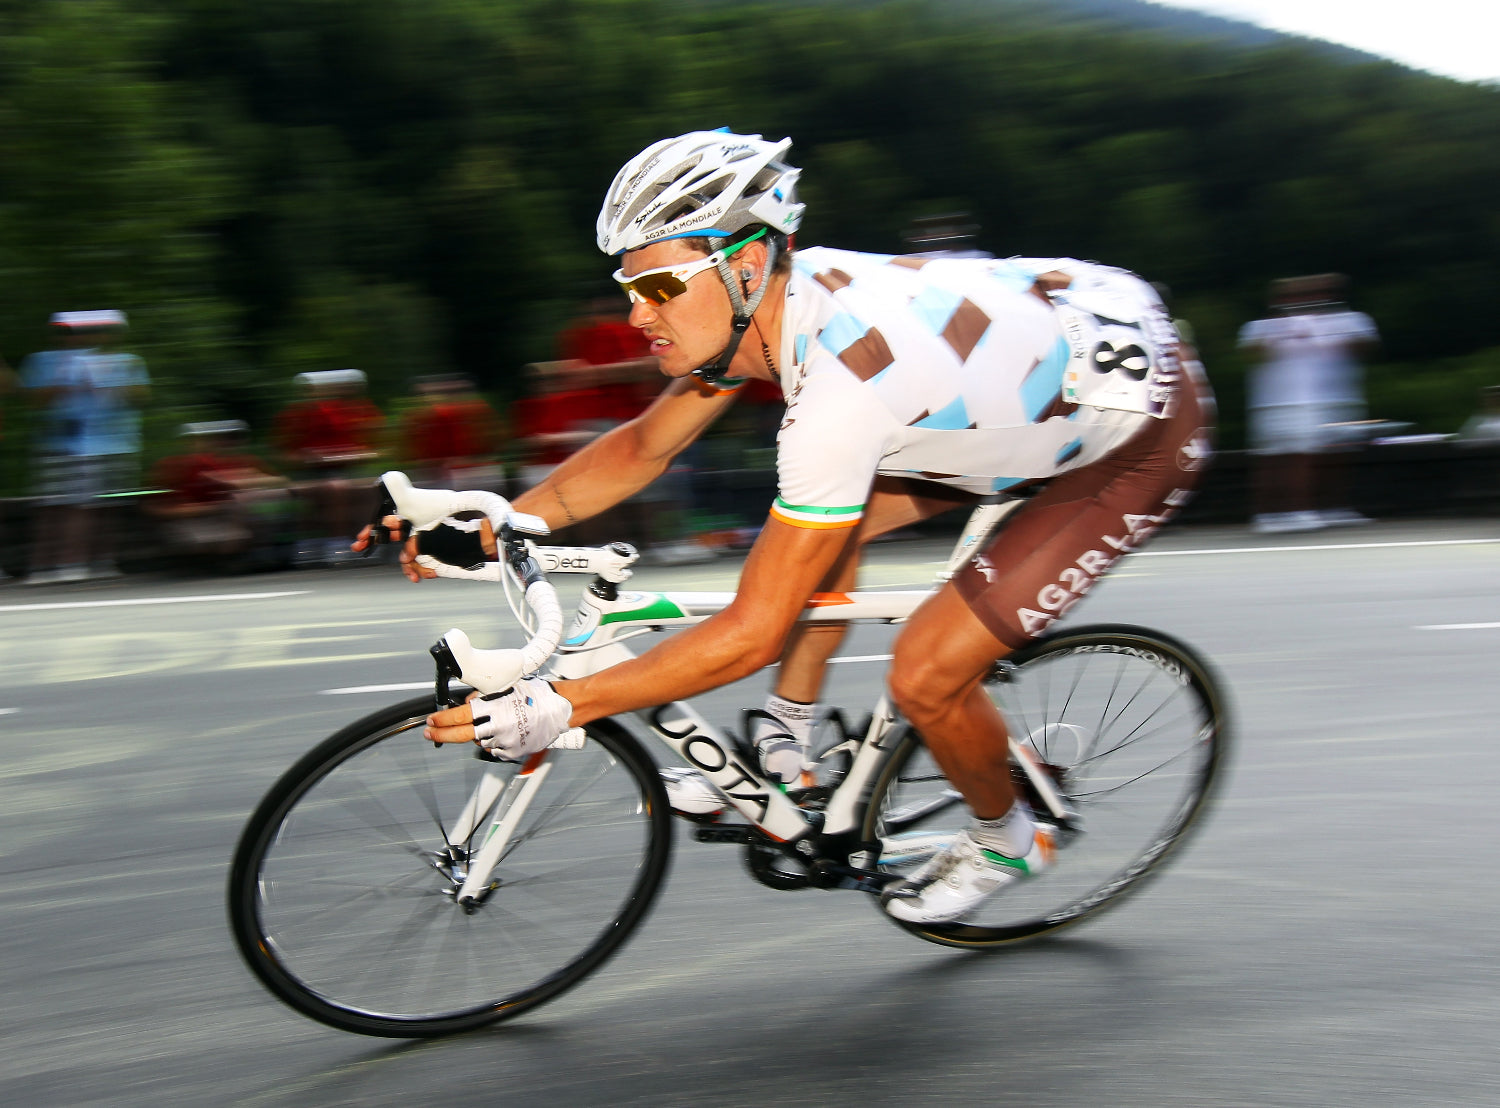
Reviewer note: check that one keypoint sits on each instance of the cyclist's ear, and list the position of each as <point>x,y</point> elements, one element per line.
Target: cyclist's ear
<point>749,263</point>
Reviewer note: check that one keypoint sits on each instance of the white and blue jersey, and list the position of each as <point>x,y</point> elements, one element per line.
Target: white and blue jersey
<point>954,371</point>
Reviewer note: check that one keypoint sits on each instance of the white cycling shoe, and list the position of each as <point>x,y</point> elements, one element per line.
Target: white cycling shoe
<point>957,880</point>
<point>689,793</point>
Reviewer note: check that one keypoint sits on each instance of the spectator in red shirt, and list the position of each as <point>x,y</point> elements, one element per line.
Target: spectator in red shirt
<point>219,504</point>
<point>605,377</point>
<point>603,336</point>
<point>449,440</point>
<point>328,439</point>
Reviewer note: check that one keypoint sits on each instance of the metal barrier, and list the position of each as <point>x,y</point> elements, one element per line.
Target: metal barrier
<point>1413,479</point>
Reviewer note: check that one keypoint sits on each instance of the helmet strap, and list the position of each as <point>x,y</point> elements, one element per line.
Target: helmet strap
<point>744,312</point>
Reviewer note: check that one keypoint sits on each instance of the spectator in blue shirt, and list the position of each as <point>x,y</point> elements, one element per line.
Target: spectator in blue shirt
<point>89,396</point>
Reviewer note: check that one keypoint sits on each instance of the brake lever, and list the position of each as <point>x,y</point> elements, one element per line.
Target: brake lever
<point>447,670</point>
<point>379,533</point>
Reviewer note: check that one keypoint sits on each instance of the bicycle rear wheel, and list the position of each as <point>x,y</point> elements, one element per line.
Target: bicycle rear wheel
<point>343,889</point>
<point>1133,731</point>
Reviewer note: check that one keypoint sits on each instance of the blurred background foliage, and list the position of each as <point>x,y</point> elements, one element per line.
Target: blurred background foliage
<point>411,187</point>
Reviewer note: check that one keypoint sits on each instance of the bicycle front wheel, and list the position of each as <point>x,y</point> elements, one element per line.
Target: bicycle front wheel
<point>344,889</point>
<point>1132,730</point>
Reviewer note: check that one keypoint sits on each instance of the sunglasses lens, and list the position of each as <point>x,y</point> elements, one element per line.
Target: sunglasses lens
<point>655,288</point>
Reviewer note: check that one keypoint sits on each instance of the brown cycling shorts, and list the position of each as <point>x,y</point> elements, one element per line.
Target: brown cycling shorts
<point>1065,538</point>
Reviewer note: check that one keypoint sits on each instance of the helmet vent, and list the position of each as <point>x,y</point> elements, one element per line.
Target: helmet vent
<point>765,179</point>
<point>706,194</point>
<point>647,197</point>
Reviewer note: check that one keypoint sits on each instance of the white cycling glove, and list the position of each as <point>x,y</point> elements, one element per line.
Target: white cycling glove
<point>522,720</point>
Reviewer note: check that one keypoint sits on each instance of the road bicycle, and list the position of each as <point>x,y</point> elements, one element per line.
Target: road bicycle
<point>390,886</point>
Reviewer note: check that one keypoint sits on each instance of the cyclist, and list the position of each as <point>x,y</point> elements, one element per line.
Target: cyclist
<point>911,385</point>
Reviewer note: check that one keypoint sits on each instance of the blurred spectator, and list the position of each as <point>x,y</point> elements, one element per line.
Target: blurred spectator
<point>220,507</point>
<point>550,421</point>
<point>607,363</point>
<point>604,337</point>
<point>1483,427</point>
<point>449,440</point>
<point>89,394</point>
<point>327,439</point>
<point>605,377</point>
<point>1306,404</point>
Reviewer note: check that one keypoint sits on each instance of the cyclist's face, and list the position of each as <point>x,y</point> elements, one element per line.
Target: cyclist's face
<point>687,330</point>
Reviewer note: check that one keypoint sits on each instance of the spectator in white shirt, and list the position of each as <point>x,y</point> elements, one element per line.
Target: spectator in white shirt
<point>1306,400</point>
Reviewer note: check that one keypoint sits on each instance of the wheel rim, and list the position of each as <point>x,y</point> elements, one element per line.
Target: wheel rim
<point>1131,729</point>
<point>354,895</point>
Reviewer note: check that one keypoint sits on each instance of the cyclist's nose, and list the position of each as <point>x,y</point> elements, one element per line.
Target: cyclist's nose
<point>642,314</point>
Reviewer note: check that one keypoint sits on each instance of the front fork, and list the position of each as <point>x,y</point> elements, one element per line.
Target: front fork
<point>510,802</point>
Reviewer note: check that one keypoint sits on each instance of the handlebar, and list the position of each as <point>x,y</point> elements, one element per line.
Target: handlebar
<point>457,658</point>
<point>427,508</point>
<point>489,671</point>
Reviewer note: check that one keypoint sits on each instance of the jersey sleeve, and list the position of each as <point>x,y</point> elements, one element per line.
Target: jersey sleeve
<point>828,450</point>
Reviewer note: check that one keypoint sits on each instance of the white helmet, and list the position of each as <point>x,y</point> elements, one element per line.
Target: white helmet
<point>711,183</point>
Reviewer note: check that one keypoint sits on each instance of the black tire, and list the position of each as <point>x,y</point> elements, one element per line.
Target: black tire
<point>342,889</point>
<point>1134,728</point>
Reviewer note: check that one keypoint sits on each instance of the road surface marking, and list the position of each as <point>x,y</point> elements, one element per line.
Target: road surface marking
<point>149,600</point>
<point>1456,626</point>
<point>404,687</point>
<point>1310,546</point>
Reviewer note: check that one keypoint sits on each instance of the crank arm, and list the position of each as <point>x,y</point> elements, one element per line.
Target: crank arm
<point>831,875</point>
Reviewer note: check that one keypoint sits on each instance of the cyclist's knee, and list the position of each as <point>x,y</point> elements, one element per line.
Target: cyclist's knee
<point>924,685</point>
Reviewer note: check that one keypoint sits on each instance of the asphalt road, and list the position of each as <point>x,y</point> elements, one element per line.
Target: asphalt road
<point>1328,939</point>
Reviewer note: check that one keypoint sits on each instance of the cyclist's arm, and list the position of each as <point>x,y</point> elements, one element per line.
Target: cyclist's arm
<point>781,574</point>
<point>625,459</point>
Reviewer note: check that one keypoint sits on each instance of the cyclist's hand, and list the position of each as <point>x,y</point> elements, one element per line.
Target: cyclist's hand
<point>408,557</point>
<point>512,724</point>
<point>456,545</point>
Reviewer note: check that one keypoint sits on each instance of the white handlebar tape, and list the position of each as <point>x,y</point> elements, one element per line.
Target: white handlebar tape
<point>489,571</point>
<point>492,671</point>
<point>541,598</point>
<point>426,507</point>
<point>571,739</point>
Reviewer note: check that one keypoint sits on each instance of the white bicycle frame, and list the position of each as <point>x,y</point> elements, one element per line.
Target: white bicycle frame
<point>596,640</point>
<point>594,644</point>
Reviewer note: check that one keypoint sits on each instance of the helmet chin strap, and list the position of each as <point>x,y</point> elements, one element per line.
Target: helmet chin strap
<point>743,313</point>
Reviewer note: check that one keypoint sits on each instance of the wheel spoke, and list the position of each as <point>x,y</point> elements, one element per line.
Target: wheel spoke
<point>334,916</point>
<point>1135,760</point>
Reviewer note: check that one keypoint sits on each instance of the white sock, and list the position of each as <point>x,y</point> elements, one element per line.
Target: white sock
<point>1011,834</point>
<point>783,761</point>
<point>796,719</point>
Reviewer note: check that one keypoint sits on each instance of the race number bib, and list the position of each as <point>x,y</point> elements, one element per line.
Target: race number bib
<point>1121,357</point>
